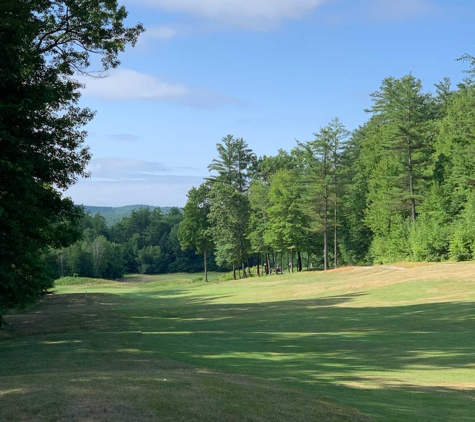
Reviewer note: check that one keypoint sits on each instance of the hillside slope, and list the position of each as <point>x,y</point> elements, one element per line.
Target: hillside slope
<point>114,214</point>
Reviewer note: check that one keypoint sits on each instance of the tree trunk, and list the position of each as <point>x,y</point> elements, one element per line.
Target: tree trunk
<point>411,182</point>
<point>268,265</point>
<point>292,261</point>
<point>234,272</point>
<point>335,215</point>
<point>325,232</point>
<point>335,240</point>
<point>299,261</point>
<point>206,265</point>
<point>61,261</point>
<point>259,265</point>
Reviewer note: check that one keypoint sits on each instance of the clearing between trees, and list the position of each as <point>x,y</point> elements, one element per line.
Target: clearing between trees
<point>359,344</point>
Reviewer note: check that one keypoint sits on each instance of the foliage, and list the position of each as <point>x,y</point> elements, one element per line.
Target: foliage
<point>113,215</point>
<point>43,43</point>
<point>145,242</point>
<point>80,281</point>
<point>194,231</point>
<point>229,216</point>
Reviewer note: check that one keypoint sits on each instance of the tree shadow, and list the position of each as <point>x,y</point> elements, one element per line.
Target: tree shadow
<point>395,363</point>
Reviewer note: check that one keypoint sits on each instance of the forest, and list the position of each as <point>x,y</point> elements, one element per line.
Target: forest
<point>398,188</point>
<point>144,242</point>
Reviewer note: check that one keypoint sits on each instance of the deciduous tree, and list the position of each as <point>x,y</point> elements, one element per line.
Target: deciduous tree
<point>43,44</point>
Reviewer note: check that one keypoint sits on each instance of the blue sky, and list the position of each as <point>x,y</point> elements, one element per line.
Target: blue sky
<point>270,71</point>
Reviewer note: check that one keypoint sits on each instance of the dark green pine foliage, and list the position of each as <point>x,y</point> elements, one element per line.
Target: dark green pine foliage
<point>233,163</point>
<point>398,151</point>
<point>229,187</point>
<point>404,111</point>
<point>355,236</point>
<point>323,183</point>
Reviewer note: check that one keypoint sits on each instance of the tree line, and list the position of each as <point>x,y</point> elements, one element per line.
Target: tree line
<point>400,187</point>
<point>145,242</point>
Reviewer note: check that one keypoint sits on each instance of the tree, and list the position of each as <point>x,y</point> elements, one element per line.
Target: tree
<point>322,182</point>
<point>43,43</point>
<point>194,231</point>
<point>259,219</point>
<point>288,223</point>
<point>229,217</point>
<point>99,249</point>
<point>230,220</point>
<point>232,164</point>
<point>355,235</point>
<point>405,111</point>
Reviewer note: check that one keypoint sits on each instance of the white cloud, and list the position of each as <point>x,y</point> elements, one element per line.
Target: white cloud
<point>255,14</point>
<point>160,32</point>
<point>125,84</point>
<point>120,169</point>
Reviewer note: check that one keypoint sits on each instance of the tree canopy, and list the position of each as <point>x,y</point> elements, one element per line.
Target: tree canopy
<point>44,44</point>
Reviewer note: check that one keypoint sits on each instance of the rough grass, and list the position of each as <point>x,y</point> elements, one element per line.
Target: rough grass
<point>81,281</point>
<point>78,359</point>
<point>394,344</point>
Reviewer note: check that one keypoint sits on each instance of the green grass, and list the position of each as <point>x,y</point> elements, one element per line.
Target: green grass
<point>81,281</point>
<point>393,345</point>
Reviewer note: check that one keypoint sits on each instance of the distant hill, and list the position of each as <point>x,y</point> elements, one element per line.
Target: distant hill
<point>114,214</point>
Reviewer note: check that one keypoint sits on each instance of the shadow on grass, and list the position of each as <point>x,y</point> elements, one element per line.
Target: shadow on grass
<point>400,363</point>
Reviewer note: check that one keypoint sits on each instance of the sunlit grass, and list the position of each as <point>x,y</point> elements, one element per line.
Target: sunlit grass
<point>395,344</point>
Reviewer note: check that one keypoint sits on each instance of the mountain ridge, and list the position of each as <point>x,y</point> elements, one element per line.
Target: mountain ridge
<point>115,214</point>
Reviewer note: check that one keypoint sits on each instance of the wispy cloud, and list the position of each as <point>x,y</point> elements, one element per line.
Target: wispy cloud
<point>125,84</point>
<point>251,14</point>
<point>161,32</point>
<point>170,193</point>
<point>263,15</point>
<point>123,181</point>
<point>120,169</point>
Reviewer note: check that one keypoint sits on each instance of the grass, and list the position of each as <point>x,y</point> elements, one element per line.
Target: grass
<point>81,281</point>
<point>351,345</point>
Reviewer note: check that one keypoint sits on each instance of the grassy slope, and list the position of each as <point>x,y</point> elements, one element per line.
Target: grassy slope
<point>396,345</point>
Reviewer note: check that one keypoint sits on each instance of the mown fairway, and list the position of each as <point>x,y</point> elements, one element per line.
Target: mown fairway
<point>351,345</point>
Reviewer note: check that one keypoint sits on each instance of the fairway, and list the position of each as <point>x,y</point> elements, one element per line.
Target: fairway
<point>357,344</point>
